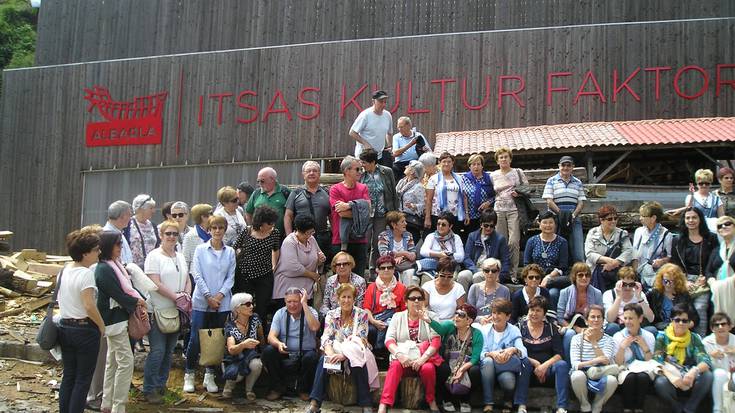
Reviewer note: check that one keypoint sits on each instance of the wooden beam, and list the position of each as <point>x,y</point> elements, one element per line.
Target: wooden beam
<point>642,174</point>
<point>706,155</point>
<point>612,165</point>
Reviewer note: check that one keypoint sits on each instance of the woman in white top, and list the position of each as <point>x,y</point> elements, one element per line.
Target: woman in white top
<point>445,295</point>
<point>81,325</point>
<point>167,269</point>
<point>720,346</point>
<point>634,344</point>
<point>443,242</point>
<point>444,194</point>
<point>227,197</point>
<point>703,199</point>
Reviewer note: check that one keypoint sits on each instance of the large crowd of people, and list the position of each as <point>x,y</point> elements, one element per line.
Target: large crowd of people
<point>411,267</point>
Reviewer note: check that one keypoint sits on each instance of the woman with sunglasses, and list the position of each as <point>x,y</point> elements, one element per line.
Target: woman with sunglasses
<point>574,301</point>
<point>180,214</point>
<point>483,294</point>
<point>627,291</point>
<point>702,198</point>
<point>633,343</point>
<point>551,252</point>
<point>607,248</point>
<point>439,244</point>
<point>652,242</point>
<point>462,345</point>
<point>669,289</point>
<point>244,332</point>
<point>444,295</point>
<point>413,345</point>
<point>141,233</point>
<point>544,346</point>
<point>721,263</point>
<point>342,265</point>
<point>167,269</point>
<point>720,346</point>
<point>383,298</point>
<point>531,275</point>
<point>726,176</point>
<point>684,350</point>
<point>482,244</point>
<point>398,242</point>
<point>591,354</point>
<point>199,234</point>
<point>227,197</point>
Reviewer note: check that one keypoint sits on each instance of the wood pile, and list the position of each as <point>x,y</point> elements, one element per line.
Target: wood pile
<point>29,273</point>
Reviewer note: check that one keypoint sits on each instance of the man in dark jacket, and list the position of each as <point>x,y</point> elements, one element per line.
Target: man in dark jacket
<point>481,244</point>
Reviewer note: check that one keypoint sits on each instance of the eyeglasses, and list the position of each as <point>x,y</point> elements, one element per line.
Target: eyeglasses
<point>490,270</point>
<point>460,314</point>
<point>678,320</point>
<point>721,324</point>
<point>178,215</point>
<point>260,181</point>
<point>724,224</point>
<point>248,304</point>
<point>704,183</point>
<point>645,216</point>
<point>629,285</point>
<point>233,201</point>
<point>171,234</point>
<point>608,219</point>
<point>341,264</point>
<point>385,268</point>
<point>416,298</point>
<point>217,227</point>
<point>583,275</point>
<point>487,225</point>
<point>533,277</point>
<point>594,317</point>
<point>447,275</point>
<point>442,224</point>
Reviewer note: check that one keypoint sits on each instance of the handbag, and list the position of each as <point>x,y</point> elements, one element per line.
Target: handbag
<point>211,346</point>
<point>513,365</point>
<point>138,324</point>
<point>48,332</point>
<point>464,385</point>
<point>167,320</point>
<point>183,304</point>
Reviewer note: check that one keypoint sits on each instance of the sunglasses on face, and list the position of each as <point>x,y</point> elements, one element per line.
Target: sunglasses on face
<point>678,320</point>
<point>704,183</point>
<point>533,277</point>
<point>487,225</point>
<point>178,215</point>
<point>460,314</point>
<point>233,201</point>
<point>584,275</point>
<point>171,234</point>
<point>490,270</point>
<point>448,275</point>
<point>629,285</point>
<point>215,228</point>
<point>442,224</point>
<point>248,304</point>
<point>721,324</point>
<point>341,264</point>
<point>416,298</point>
<point>386,268</point>
<point>724,224</point>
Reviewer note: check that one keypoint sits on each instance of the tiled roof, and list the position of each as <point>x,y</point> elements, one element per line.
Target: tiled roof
<point>589,135</point>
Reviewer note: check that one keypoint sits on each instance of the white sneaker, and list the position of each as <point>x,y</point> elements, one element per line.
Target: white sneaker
<point>522,408</point>
<point>448,407</point>
<point>561,410</point>
<point>209,383</point>
<point>465,408</point>
<point>227,390</point>
<point>189,382</point>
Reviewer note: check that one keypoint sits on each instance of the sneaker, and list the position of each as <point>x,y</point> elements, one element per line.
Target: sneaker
<point>561,410</point>
<point>448,407</point>
<point>522,408</point>
<point>189,382</point>
<point>209,383</point>
<point>227,390</point>
<point>465,408</point>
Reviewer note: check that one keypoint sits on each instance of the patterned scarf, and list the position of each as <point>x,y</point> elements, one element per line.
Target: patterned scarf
<point>677,346</point>
<point>477,184</point>
<point>634,347</point>
<point>441,188</point>
<point>443,240</point>
<point>725,269</point>
<point>387,298</point>
<point>203,234</point>
<point>405,184</point>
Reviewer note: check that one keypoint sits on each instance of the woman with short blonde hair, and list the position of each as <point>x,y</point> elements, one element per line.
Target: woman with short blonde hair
<point>505,181</point>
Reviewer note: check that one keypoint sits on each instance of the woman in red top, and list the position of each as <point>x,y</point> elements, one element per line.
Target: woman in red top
<point>383,298</point>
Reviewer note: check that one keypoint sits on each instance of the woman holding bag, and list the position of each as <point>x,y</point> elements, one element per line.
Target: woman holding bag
<point>407,335</point>
<point>345,326</point>
<point>168,271</point>
<point>383,298</point>
<point>116,301</point>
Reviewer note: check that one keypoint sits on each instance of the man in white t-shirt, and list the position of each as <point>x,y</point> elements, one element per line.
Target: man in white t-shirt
<point>373,127</point>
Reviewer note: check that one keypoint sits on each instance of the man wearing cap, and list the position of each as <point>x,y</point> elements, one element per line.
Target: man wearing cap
<point>373,127</point>
<point>564,195</point>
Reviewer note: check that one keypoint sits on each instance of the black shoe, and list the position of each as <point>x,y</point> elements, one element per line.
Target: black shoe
<point>94,405</point>
<point>154,398</point>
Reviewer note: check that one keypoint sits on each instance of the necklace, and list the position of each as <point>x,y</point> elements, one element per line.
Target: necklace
<point>545,245</point>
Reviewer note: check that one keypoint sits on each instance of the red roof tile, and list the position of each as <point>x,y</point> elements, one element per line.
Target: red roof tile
<point>589,135</point>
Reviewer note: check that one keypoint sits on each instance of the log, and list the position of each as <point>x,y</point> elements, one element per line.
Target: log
<point>58,258</point>
<point>47,269</point>
<point>14,311</point>
<point>411,391</point>
<point>8,293</point>
<point>32,254</point>
<point>341,389</point>
<point>7,263</point>
<point>34,305</point>
<point>23,281</point>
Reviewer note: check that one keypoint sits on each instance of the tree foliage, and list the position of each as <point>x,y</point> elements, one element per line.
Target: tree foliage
<point>18,24</point>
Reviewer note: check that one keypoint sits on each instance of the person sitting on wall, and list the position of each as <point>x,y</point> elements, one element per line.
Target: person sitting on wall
<point>408,145</point>
<point>482,244</point>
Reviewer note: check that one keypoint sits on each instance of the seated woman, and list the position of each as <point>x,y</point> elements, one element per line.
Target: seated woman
<point>462,346</point>
<point>591,354</point>
<point>551,252</point>
<point>244,332</point>
<point>342,265</point>
<point>406,332</point>
<point>627,291</point>
<point>438,244</point>
<point>634,343</point>
<point>669,289</point>
<point>544,346</point>
<point>531,275</point>
<point>720,346</point>
<point>677,344</point>
<point>607,248</point>
<point>503,356</point>
<point>444,294</point>
<point>383,299</point>
<point>482,294</point>
<point>574,301</point>
<point>397,241</point>
<point>652,242</point>
<point>482,244</point>
<point>344,338</point>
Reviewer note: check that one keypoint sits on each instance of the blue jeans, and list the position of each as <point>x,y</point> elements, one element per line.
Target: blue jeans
<point>359,377</point>
<point>158,362</point>
<point>560,372</point>
<point>612,328</point>
<point>79,347</point>
<point>428,265</point>
<point>567,343</point>
<point>553,298</point>
<point>576,238</point>
<point>506,379</point>
<point>199,320</point>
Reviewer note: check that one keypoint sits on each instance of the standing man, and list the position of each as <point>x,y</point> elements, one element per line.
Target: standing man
<point>311,199</point>
<point>408,145</point>
<point>373,128</point>
<point>244,190</point>
<point>382,189</point>
<point>118,218</point>
<point>564,195</point>
<point>270,193</point>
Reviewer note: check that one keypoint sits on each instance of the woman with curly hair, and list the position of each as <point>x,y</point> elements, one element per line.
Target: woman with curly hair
<point>669,289</point>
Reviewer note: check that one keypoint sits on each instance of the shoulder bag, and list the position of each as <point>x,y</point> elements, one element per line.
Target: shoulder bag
<point>48,332</point>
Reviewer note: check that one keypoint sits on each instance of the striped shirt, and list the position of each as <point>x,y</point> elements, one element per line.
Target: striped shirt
<point>581,350</point>
<point>564,194</point>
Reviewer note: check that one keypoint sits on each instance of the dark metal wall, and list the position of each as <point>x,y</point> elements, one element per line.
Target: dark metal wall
<point>87,30</point>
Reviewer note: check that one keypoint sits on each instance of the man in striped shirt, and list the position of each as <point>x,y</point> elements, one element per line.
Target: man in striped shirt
<point>565,193</point>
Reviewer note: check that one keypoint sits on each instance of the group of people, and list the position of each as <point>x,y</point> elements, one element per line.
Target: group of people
<point>421,261</point>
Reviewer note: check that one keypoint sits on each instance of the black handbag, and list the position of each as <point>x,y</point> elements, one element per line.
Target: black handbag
<point>48,332</point>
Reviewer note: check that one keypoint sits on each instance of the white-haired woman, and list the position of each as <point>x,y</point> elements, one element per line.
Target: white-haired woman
<point>180,214</point>
<point>141,233</point>
<point>411,195</point>
<point>244,332</point>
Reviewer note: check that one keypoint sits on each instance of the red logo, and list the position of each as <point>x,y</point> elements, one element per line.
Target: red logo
<point>139,122</point>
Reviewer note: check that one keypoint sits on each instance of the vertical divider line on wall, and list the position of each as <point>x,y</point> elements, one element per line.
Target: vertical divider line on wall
<point>181,102</point>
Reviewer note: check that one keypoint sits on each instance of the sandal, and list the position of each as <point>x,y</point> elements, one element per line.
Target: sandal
<point>250,396</point>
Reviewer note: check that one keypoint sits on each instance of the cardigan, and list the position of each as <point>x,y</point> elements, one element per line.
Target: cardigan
<point>594,296</point>
<point>108,289</point>
<point>447,328</point>
<point>398,329</point>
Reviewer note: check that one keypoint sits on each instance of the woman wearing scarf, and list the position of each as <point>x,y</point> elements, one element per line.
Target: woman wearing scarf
<point>721,265</point>
<point>443,242</point>
<point>576,300</point>
<point>244,332</point>
<point>478,186</point>
<point>383,298</point>
<point>411,198</point>
<point>200,214</point>
<point>399,243</point>
<point>721,348</point>
<point>531,275</point>
<point>116,300</point>
<point>607,248</point>
<point>505,181</point>
<point>634,344</point>
<point>651,242</point>
<point>444,194</point>
<point>685,351</point>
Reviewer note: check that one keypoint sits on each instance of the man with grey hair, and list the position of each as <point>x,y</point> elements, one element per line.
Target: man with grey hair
<point>408,145</point>
<point>118,218</point>
<point>270,193</point>
<point>311,199</point>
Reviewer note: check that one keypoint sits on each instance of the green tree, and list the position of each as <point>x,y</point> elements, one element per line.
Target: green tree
<point>18,25</point>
